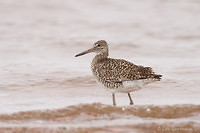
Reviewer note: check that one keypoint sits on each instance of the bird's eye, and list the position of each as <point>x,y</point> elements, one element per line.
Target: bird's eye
<point>98,45</point>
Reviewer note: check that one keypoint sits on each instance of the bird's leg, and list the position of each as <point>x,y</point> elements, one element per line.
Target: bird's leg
<point>113,96</point>
<point>131,101</point>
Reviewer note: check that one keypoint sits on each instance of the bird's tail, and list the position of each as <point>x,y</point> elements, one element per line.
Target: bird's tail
<point>156,76</point>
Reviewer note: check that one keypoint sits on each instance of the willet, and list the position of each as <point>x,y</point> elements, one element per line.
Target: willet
<point>118,75</point>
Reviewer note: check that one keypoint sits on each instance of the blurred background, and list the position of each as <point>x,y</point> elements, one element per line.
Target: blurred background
<point>39,38</point>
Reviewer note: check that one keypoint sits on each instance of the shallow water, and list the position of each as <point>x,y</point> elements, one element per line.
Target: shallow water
<point>44,88</point>
<point>98,117</point>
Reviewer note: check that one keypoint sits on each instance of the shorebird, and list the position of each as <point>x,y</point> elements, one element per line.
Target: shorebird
<point>118,75</point>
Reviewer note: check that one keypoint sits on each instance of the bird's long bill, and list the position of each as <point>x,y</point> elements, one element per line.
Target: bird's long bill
<point>84,52</point>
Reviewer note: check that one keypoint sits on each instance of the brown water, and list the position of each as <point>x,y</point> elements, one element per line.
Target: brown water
<point>44,88</point>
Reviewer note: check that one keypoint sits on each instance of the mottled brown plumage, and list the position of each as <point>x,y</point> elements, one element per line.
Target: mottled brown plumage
<point>118,75</point>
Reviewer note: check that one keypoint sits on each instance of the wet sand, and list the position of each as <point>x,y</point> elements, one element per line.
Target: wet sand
<point>44,88</point>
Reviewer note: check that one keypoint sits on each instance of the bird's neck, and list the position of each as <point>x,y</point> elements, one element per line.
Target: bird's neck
<point>100,57</point>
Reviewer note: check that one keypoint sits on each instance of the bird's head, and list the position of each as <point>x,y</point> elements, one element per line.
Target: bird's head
<point>100,48</point>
